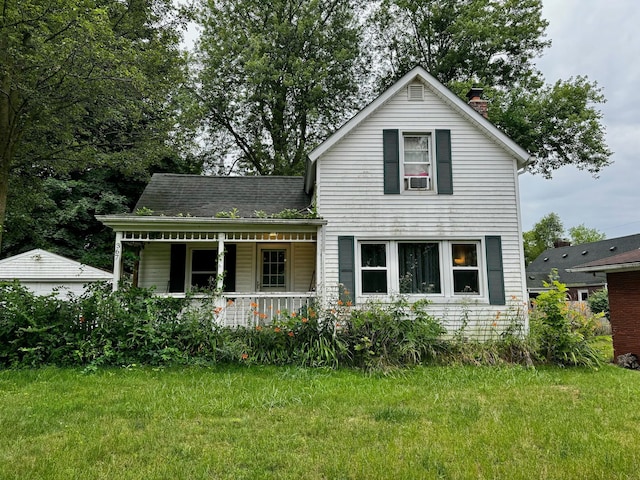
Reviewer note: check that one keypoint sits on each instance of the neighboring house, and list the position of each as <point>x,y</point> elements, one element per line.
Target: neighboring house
<point>563,259</point>
<point>623,279</point>
<point>44,272</point>
<point>416,195</point>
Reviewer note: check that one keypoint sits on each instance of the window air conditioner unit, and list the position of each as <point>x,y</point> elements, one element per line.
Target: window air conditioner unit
<point>418,183</point>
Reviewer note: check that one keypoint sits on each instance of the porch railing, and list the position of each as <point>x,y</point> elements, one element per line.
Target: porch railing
<point>243,309</point>
<point>261,308</point>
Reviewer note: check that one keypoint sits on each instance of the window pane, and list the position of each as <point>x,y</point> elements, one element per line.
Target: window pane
<point>273,268</point>
<point>419,267</point>
<point>374,281</point>
<point>204,261</point>
<point>203,280</point>
<point>464,255</point>
<point>465,281</point>
<point>374,255</point>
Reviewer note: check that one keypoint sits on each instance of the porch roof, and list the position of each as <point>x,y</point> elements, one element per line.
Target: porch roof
<point>173,229</point>
<point>210,196</point>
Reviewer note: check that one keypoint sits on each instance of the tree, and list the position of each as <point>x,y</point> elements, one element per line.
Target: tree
<point>275,78</point>
<point>57,213</point>
<point>85,83</point>
<point>542,236</point>
<point>493,43</point>
<point>549,230</point>
<point>582,234</point>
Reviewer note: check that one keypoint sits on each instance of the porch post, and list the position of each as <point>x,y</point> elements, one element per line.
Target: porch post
<point>220,276</point>
<point>117,261</point>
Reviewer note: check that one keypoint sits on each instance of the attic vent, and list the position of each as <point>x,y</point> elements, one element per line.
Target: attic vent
<point>611,249</point>
<point>532,277</point>
<point>584,252</point>
<point>416,91</point>
<point>546,259</point>
<point>564,255</point>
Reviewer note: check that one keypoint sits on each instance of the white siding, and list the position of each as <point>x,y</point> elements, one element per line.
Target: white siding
<point>350,190</point>
<point>155,261</point>
<point>304,266</point>
<point>245,267</point>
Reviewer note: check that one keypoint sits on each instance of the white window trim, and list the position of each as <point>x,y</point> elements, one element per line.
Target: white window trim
<point>480,268</point>
<point>446,270</point>
<point>432,164</point>
<point>288,265</point>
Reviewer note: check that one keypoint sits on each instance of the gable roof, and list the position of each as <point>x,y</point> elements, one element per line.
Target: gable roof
<point>565,259</point>
<point>437,88</point>
<point>42,265</point>
<point>205,196</point>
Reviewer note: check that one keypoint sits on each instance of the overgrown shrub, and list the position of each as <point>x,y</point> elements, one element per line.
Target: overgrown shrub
<point>599,302</point>
<point>561,331</point>
<point>381,336</point>
<point>134,326</point>
<point>36,330</point>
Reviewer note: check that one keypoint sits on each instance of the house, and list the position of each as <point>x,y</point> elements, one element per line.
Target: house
<point>623,279</point>
<point>564,257</point>
<point>416,195</point>
<point>44,272</point>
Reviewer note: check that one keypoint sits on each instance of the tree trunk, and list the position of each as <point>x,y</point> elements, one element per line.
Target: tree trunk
<point>8,140</point>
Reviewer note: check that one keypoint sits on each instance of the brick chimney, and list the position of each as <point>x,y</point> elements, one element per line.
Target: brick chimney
<point>477,102</point>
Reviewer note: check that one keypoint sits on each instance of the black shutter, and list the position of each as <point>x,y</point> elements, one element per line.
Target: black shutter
<point>495,272</point>
<point>230,267</point>
<point>443,162</point>
<point>177,267</point>
<point>391,153</point>
<point>346,268</point>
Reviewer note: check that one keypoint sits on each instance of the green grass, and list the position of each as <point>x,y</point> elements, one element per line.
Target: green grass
<point>290,423</point>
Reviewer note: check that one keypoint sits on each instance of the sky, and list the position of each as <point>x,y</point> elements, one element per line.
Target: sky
<point>599,39</point>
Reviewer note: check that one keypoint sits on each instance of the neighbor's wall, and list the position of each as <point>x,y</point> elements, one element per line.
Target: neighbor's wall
<point>624,308</point>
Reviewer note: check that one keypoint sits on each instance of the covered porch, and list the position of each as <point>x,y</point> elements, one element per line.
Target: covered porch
<point>255,269</point>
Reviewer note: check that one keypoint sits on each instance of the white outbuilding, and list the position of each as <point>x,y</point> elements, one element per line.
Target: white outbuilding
<point>44,272</point>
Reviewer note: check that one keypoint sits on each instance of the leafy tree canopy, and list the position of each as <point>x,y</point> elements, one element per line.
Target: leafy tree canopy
<point>86,83</point>
<point>275,79</point>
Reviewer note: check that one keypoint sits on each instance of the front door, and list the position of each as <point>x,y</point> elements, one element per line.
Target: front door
<point>273,268</point>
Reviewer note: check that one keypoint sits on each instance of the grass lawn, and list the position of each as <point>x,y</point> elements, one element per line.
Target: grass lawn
<point>290,423</point>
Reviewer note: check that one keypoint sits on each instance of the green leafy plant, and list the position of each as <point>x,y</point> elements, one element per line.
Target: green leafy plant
<point>599,302</point>
<point>560,331</point>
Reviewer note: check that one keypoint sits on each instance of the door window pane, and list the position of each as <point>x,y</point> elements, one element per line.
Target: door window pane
<point>273,268</point>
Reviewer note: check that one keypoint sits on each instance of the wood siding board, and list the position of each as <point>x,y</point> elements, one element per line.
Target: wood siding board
<point>155,261</point>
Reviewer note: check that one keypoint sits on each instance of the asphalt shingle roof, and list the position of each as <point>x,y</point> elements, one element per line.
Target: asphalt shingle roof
<point>632,256</point>
<point>206,196</point>
<point>563,258</point>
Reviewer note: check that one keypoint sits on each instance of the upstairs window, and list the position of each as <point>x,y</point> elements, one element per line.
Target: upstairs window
<point>417,162</point>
